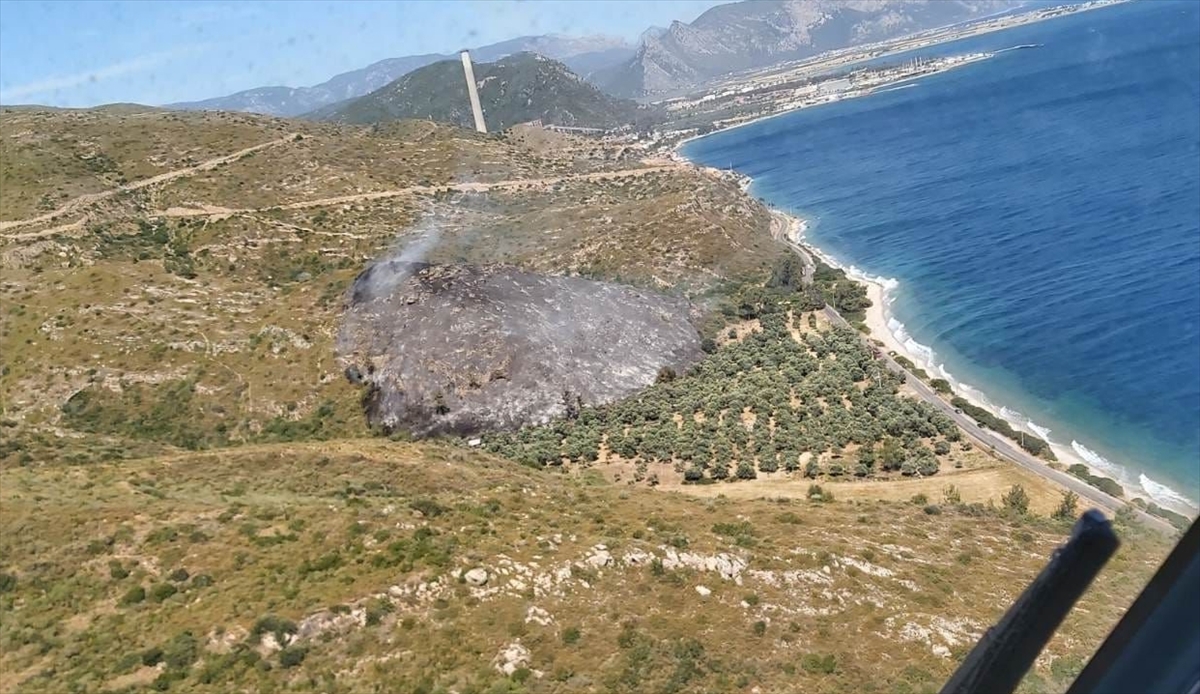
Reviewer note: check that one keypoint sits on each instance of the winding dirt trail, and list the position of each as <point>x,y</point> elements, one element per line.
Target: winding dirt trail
<point>472,187</point>
<point>92,198</point>
<point>85,201</point>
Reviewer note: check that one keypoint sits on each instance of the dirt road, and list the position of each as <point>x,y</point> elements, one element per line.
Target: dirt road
<point>209,210</point>
<point>472,187</point>
<point>92,198</point>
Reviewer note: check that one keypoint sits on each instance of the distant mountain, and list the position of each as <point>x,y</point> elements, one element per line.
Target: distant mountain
<point>584,55</point>
<point>515,89</point>
<point>744,35</point>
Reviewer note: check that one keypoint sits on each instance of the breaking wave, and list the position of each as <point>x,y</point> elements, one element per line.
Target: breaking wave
<point>1099,462</point>
<point>1164,495</point>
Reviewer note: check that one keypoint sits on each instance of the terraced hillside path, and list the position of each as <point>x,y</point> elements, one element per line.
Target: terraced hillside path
<point>92,198</point>
<point>84,201</point>
<point>466,187</point>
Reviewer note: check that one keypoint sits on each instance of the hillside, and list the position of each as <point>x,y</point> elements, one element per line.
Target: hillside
<point>517,89</point>
<point>583,55</point>
<point>355,566</point>
<point>743,35</point>
<point>191,498</point>
<point>177,279</point>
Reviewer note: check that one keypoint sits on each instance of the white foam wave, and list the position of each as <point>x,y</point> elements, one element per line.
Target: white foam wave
<point>1099,462</point>
<point>1041,431</point>
<point>1020,420</point>
<point>1163,495</point>
<point>889,284</point>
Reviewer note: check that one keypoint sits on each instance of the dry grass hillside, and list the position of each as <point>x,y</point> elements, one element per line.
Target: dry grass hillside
<point>190,499</point>
<point>175,279</point>
<point>351,567</point>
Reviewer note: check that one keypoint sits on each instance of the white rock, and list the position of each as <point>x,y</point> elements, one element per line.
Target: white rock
<point>704,592</point>
<point>511,658</point>
<point>537,615</point>
<point>600,559</point>
<point>940,651</point>
<point>477,577</point>
<point>269,643</point>
<point>637,556</point>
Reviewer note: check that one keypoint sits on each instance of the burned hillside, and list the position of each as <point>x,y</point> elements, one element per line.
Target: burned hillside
<point>463,349</point>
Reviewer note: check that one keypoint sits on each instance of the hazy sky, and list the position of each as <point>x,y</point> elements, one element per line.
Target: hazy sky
<point>86,53</point>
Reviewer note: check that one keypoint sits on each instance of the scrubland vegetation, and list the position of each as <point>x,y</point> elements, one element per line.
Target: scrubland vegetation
<point>190,500</point>
<point>342,567</point>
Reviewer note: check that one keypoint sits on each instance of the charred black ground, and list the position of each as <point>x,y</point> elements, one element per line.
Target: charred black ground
<point>462,349</point>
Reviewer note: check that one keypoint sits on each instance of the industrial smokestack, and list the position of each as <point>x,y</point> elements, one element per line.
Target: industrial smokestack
<point>476,109</point>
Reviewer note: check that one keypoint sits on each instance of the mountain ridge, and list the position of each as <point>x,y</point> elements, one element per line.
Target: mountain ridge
<point>744,35</point>
<point>584,54</point>
<point>519,88</point>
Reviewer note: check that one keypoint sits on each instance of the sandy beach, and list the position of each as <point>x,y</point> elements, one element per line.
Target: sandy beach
<point>879,322</point>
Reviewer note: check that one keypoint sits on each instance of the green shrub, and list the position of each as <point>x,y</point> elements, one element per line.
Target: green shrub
<point>1104,484</point>
<point>292,656</point>
<point>1067,507</point>
<point>1016,500</point>
<point>272,624</point>
<point>162,591</point>
<point>152,656</point>
<point>379,608</point>
<point>570,635</point>
<point>428,507</point>
<point>816,493</point>
<point>819,664</point>
<point>133,596</point>
<point>116,570</point>
<point>182,651</point>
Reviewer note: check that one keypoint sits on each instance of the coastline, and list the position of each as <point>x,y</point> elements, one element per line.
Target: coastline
<point>912,80</point>
<point>890,332</point>
<point>883,328</point>
<point>982,29</point>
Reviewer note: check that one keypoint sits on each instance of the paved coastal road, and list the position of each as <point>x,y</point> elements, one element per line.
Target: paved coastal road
<point>990,440</point>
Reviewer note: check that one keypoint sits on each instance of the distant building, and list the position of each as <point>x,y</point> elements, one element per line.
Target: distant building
<point>833,86</point>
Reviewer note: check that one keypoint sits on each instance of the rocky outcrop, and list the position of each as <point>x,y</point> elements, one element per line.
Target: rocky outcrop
<point>511,658</point>
<point>743,35</point>
<point>463,349</point>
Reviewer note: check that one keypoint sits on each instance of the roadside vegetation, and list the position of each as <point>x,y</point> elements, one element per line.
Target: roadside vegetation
<point>1034,445</point>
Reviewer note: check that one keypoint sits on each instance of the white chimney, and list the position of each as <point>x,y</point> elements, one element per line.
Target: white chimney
<point>473,92</point>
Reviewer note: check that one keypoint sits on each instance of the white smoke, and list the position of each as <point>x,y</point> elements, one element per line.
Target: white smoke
<point>390,271</point>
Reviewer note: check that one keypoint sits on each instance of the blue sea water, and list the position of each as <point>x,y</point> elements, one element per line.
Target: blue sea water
<point>1039,213</point>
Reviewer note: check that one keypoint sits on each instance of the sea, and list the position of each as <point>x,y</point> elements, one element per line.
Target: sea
<point>1035,220</point>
